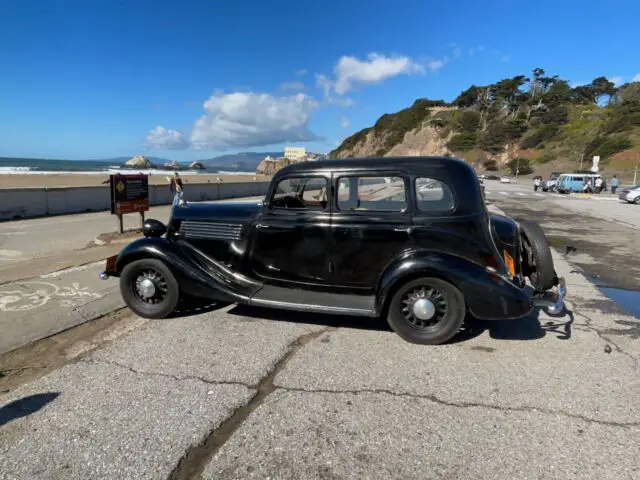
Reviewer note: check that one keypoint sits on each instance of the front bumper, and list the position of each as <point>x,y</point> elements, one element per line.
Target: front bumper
<point>110,268</point>
<point>553,300</point>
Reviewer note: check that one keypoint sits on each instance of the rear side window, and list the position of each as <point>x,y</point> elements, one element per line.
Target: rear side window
<point>433,196</point>
<point>382,194</point>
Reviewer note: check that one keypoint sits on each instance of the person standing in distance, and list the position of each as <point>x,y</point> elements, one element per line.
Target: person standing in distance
<point>176,188</point>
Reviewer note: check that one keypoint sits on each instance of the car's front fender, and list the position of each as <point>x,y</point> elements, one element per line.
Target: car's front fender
<point>196,273</point>
<point>488,296</point>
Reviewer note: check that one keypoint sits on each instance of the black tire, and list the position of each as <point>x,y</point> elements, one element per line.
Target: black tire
<point>637,200</point>
<point>449,314</point>
<point>539,261</point>
<point>166,289</point>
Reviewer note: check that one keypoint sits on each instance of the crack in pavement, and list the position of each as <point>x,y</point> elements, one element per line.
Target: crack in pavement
<point>196,458</point>
<point>167,375</point>
<point>438,400</point>
<point>588,326</point>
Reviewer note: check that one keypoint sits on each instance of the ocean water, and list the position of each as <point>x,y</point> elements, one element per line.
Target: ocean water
<point>21,166</point>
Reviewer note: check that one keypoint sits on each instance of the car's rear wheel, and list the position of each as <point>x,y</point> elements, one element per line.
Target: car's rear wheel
<point>637,200</point>
<point>537,259</point>
<point>149,288</point>
<point>427,311</point>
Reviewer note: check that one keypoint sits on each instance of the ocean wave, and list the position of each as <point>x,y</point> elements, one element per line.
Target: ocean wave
<point>14,169</point>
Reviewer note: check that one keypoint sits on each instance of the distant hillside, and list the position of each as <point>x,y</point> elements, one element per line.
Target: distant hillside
<point>540,123</point>
<point>241,162</point>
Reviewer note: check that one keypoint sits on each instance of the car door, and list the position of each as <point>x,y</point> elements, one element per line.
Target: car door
<point>291,238</point>
<point>370,226</point>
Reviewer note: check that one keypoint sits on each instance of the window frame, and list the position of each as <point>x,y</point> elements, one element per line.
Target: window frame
<point>337,177</point>
<point>310,176</point>
<point>433,213</point>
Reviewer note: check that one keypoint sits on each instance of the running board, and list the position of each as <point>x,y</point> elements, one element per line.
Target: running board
<point>318,302</point>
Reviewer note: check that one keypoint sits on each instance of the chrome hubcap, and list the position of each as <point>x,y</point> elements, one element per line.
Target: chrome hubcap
<point>150,286</point>
<point>146,288</point>
<point>424,309</point>
<point>423,306</point>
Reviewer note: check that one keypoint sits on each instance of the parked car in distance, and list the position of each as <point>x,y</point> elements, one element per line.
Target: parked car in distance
<point>630,194</point>
<point>408,239</point>
<point>550,184</point>
<point>492,177</point>
<point>574,182</point>
<point>505,179</point>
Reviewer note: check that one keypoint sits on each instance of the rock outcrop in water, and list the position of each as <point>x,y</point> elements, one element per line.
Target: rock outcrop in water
<point>138,162</point>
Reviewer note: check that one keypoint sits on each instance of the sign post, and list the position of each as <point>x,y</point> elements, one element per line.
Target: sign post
<point>129,194</point>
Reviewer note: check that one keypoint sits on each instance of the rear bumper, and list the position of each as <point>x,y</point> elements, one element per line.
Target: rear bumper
<point>552,301</point>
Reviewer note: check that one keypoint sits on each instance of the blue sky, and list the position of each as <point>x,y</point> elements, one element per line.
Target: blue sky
<point>193,79</point>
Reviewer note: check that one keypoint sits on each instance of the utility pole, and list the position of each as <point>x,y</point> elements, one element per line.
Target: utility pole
<point>517,169</point>
<point>581,159</point>
<point>635,173</point>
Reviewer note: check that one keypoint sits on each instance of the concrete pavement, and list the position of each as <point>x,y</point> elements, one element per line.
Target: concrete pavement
<point>235,392</point>
<point>38,307</point>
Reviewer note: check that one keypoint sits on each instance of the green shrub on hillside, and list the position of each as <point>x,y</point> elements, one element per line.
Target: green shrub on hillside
<point>468,120</point>
<point>494,138</point>
<point>520,165</point>
<point>462,142</point>
<point>490,165</point>
<point>539,135</point>
<point>607,146</point>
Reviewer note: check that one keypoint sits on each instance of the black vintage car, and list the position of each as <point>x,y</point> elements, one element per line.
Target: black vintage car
<point>406,238</point>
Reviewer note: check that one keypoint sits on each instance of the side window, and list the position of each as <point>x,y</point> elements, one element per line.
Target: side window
<point>433,196</point>
<point>308,193</point>
<point>382,194</point>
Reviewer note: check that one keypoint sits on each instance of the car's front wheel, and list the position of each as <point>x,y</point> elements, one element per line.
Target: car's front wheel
<point>149,288</point>
<point>427,311</point>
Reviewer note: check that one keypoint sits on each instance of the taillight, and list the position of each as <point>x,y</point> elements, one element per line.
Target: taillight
<point>509,262</point>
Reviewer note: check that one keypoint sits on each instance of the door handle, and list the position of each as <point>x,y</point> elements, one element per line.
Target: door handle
<point>401,229</point>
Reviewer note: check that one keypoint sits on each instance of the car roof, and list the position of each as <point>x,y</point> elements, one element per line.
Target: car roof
<point>418,165</point>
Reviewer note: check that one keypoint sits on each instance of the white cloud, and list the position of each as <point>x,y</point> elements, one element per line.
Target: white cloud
<point>301,72</point>
<point>350,71</point>
<point>163,138</point>
<point>435,65</point>
<point>617,80</point>
<point>457,52</point>
<point>344,122</point>
<point>247,119</point>
<point>636,78</point>
<point>292,86</point>
<point>323,82</point>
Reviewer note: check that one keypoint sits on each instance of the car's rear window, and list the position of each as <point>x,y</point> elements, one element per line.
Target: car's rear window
<point>385,194</point>
<point>433,196</point>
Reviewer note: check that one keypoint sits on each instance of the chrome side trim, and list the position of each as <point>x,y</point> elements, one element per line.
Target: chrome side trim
<point>303,307</point>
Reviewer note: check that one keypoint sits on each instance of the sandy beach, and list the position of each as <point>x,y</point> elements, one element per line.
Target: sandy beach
<point>80,180</point>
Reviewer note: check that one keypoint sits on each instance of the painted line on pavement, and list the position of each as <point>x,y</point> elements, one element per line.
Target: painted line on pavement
<point>78,268</point>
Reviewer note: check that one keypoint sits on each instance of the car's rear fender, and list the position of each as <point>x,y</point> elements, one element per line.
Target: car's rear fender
<point>197,274</point>
<point>487,295</point>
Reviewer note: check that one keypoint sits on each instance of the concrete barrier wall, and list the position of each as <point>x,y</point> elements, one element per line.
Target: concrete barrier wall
<point>35,202</point>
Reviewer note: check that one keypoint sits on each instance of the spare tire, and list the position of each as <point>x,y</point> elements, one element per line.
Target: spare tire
<point>537,256</point>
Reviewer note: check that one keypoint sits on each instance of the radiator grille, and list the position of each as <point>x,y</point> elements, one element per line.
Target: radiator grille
<point>212,231</point>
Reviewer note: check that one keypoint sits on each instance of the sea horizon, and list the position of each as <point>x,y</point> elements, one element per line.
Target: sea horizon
<point>33,166</point>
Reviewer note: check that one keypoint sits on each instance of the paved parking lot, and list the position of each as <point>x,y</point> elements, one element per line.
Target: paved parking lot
<point>234,392</point>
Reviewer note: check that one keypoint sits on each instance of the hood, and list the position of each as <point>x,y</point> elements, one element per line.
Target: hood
<point>234,212</point>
